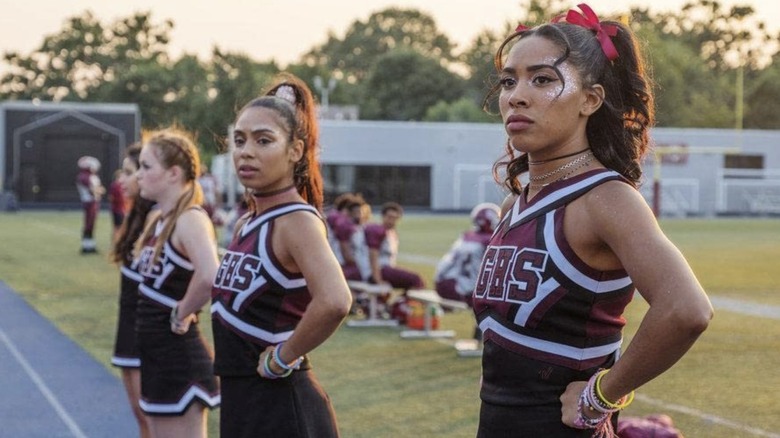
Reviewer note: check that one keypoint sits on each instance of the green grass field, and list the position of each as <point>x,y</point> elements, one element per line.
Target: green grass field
<point>383,386</point>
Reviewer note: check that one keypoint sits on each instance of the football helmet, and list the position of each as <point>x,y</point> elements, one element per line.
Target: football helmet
<point>485,216</point>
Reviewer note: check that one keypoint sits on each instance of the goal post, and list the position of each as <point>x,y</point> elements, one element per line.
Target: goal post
<point>678,154</point>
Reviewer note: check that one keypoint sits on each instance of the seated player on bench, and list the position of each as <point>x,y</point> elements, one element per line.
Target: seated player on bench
<point>456,274</point>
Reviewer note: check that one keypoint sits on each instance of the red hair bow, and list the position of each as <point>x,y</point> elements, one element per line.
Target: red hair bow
<point>589,20</point>
<point>521,27</point>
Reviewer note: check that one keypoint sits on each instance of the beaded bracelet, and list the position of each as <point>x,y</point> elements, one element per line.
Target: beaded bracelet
<point>602,424</point>
<point>269,372</point>
<point>294,365</point>
<point>583,421</point>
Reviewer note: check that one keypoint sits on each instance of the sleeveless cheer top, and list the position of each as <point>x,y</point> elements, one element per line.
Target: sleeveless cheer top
<point>547,317</point>
<point>255,301</point>
<point>163,286</point>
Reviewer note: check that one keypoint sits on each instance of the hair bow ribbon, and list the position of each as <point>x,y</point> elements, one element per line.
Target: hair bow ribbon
<point>589,20</point>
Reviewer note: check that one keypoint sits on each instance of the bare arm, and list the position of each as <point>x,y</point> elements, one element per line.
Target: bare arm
<point>376,270</point>
<point>194,236</point>
<point>679,309</point>
<point>300,242</point>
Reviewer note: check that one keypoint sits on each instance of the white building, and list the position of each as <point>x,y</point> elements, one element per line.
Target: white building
<point>448,166</point>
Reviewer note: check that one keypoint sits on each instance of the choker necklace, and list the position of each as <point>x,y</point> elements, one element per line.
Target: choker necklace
<point>560,169</point>
<point>273,192</point>
<point>532,163</point>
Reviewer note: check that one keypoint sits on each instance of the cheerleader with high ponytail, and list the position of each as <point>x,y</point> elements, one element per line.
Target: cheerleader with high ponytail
<point>279,291</point>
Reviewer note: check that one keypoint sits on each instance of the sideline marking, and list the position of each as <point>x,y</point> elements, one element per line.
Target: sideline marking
<point>705,416</point>
<point>74,428</point>
<point>746,307</point>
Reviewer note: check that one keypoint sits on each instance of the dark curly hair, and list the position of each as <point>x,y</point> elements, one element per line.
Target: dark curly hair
<point>618,132</point>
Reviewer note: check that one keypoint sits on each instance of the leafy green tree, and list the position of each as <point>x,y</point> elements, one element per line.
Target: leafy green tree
<point>695,55</point>
<point>344,92</point>
<point>724,38</point>
<point>127,61</point>
<point>763,98</point>
<point>395,65</point>
<point>542,11</point>
<point>351,58</point>
<point>479,56</point>
<point>234,80</point>
<point>688,93</point>
<point>404,83</point>
<point>187,100</point>
<point>461,110</point>
<point>479,59</point>
<point>84,57</point>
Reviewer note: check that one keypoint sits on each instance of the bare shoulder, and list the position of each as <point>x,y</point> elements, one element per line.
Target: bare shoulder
<point>615,206</point>
<point>300,224</point>
<point>613,195</point>
<point>193,225</point>
<point>194,217</point>
<point>299,239</point>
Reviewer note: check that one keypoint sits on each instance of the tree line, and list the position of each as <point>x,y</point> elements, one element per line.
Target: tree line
<point>396,65</point>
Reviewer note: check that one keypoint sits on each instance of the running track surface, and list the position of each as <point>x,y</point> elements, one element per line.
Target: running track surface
<point>49,386</point>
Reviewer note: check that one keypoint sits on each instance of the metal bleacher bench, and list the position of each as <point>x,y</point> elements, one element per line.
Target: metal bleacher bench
<point>431,299</point>
<point>373,292</point>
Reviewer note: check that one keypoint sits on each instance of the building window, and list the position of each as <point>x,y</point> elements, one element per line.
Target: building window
<point>410,186</point>
<point>743,161</point>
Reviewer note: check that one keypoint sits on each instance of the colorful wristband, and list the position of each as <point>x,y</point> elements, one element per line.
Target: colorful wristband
<point>294,365</point>
<point>270,373</point>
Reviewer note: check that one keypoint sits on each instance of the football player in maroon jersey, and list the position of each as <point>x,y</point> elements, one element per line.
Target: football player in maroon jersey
<point>90,191</point>
<point>381,240</point>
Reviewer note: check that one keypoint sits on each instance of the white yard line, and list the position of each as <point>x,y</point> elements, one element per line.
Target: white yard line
<point>707,417</point>
<point>746,307</point>
<point>50,397</point>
